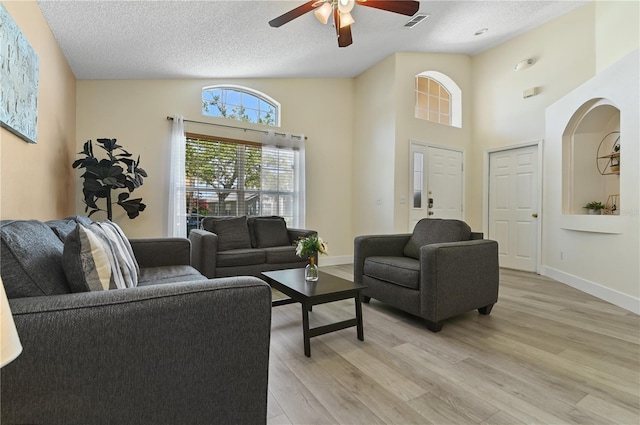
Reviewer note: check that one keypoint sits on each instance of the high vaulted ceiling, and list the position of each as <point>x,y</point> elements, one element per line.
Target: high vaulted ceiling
<point>232,39</point>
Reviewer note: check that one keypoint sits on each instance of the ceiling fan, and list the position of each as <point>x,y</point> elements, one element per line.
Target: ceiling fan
<point>341,11</point>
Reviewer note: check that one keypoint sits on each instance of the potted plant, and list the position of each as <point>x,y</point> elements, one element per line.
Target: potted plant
<point>116,172</point>
<point>310,247</point>
<point>594,207</point>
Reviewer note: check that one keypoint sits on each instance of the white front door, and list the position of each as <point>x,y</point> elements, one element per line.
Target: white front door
<point>513,206</point>
<point>436,183</point>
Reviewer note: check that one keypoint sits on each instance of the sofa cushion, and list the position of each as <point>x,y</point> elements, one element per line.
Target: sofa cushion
<point>403,271</point>
<point>271,232</point>
<point>31,257</point>
<point>251,222</point>
<point>240,257</point>
<point>88,260</point>
<point>168,274</point>
<point>232,232</point>
<point>282,255</point>
<point>436,230</point>
<point>64,226</point>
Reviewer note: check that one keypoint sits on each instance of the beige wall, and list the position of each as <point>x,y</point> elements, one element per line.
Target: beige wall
<point>408,65</point>
<point>569,51</point>
<point>617,30</point>
<point>564,54</point>
<point>36,180</point>
<point>374,141</point>
<point>134,112</point>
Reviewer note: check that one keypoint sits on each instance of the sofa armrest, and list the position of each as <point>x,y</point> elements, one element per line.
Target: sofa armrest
<point>157,252</point>
<point>295,234</point>
<point>376,245</point>
<point>204,251</point>
<point>457,277</point>
<point>192,353</point>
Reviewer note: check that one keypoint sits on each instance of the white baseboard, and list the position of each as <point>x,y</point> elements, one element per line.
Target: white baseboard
<point>607,294</point>
<point>334,261</point>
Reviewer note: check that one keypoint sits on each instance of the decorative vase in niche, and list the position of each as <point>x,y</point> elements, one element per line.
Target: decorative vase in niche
<point>311,271</point>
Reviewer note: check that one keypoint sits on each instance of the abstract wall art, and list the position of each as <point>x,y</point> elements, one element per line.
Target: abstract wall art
<point>19,75</point>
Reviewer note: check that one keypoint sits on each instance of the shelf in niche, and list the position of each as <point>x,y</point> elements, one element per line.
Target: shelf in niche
<point>608,224</point>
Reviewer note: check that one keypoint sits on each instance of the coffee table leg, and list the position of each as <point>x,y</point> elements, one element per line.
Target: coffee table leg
<point>305,330</point>
<point>359,317</point>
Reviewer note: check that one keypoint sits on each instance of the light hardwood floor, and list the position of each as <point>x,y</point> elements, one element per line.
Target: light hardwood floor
<point>547,354</point>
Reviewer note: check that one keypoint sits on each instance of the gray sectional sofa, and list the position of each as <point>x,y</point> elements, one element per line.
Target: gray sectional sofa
<point>177,349</point>
<point>232,246</point>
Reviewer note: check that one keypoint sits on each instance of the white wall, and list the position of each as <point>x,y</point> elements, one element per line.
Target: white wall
<point>600,253</point>
<point>134,112</point>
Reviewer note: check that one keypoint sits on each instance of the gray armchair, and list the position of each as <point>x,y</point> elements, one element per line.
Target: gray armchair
<point>440,271</point>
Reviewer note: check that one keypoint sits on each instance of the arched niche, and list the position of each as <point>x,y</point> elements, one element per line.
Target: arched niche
<point>590,160</point>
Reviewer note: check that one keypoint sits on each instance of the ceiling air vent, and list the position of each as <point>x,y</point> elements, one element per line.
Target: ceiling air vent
<point>416,20</point>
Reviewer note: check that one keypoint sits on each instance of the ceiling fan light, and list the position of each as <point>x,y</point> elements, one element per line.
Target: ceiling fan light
<point>346,19</point>
<point>345,6</point>
<point>323,13</point>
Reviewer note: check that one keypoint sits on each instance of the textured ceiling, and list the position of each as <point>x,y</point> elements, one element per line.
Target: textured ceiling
<point>232,39</point>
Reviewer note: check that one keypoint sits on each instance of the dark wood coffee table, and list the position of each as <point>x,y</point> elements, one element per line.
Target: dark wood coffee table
<point>326,289</point>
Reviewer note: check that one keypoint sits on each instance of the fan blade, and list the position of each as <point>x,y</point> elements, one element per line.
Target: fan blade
<point>344,34</point>
<point>404,7</point>
<point>292,14</point>
<point>344,38</point>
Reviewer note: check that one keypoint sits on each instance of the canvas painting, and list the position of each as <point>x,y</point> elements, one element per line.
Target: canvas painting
<point>19,74</point>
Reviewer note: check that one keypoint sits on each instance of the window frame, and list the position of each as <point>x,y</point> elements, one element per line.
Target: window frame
<point>246,91</point>
<point>193,189</point>
<point>455,97</point>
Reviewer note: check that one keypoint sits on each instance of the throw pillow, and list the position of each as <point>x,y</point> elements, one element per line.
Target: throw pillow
<point>88,261</point>
<point>123,252</point>
<point>271,232</point>
<point>232,232</point>
<point>435,230</point>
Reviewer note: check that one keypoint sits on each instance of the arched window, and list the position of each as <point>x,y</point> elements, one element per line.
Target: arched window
<point>438,99</point>
<point>241,104</point>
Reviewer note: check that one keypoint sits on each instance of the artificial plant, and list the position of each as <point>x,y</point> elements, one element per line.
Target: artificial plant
<point>102,176</point>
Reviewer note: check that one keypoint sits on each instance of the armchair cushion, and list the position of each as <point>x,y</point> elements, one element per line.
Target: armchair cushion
<point>233,232</point>
<point>403,271</point>
<point>271,232</point>
<point>434,230</point>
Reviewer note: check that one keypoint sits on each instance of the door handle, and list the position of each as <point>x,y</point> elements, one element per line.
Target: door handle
<point>534,215</point>
<point>430,213</point>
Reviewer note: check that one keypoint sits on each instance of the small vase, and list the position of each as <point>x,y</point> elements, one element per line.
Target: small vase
<point>311,271</point>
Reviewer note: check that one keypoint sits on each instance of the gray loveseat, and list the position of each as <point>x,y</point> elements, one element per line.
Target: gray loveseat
<point>440,270</point>
<point>176,349</point>
<point>232,246</point>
